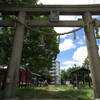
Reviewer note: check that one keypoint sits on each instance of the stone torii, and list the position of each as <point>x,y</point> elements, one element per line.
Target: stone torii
<point>54,11</point>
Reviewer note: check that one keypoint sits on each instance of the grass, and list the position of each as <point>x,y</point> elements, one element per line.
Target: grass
<point>58,92</point>
<point>1,93</point>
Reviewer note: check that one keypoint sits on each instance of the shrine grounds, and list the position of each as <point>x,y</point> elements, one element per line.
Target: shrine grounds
<point>57,92</point>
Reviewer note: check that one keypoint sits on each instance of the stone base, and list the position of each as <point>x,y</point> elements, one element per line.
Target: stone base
<point>95,99</point>
<point>10,98</point>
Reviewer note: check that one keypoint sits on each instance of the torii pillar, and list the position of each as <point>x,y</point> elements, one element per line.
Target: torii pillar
<point>94,60</point>
<point>13,69</point>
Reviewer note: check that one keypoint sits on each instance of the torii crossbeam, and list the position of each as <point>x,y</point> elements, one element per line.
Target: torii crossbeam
<point>54,11</point>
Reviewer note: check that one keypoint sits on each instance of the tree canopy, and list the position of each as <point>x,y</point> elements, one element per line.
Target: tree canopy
<point>86,63</point>
<point>36,56</point>
<point>66,75</point>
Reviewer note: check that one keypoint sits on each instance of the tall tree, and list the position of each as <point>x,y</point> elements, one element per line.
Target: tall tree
<point>46,75</point>
<point>35,56</point>
<point>66,75</point>
<point>86,63</point>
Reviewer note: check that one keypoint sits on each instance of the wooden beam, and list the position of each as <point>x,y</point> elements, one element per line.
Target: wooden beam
<point>46,23</point>
<point>45,9</point>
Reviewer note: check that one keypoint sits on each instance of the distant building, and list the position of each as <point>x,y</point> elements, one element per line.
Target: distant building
<point>55,73</point>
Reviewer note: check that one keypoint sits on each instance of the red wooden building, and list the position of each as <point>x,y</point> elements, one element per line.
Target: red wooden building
<point>2,75</point>
<point>24,77</point>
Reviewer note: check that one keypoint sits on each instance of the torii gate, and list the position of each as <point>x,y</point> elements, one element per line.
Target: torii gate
<point>54,10</point>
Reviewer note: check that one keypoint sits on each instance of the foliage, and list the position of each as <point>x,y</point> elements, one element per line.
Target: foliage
<point>66,75</point>
<point>18,1</point>
<point>86,63</point>
<point>35,56</point>
<point>75,67</point>
<point>46,75</point>
<point>39,55</point>
<point>5,45</point>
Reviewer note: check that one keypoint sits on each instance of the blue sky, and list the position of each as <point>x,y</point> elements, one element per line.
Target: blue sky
<point>71,51</point>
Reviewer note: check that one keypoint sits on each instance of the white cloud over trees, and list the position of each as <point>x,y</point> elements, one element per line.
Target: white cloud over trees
<point>78,58</point>
<point>66,45</point>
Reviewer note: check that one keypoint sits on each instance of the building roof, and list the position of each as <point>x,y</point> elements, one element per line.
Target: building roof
<point>33,74</point>
<point>82,69</point>
<point>21,68</point>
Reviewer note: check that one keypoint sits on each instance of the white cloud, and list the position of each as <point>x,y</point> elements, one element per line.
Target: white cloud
<point>96,1</point>
<point>66,45</point>
<point>78,58</point>
<point>65,67</point>
<point>62,30</point>
<point>71,63</point>
<point>63,2</point>
<point>80,42</point>
<point>80,54</point>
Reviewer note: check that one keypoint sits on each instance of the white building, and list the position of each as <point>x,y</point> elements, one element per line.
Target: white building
<point>55,73</point>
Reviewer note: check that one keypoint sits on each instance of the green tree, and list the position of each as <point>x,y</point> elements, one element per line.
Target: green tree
<point>39,55</point>
<point>64,77</point>
<point>69,75</point>
<point>19,1</point>
<point>35,55</point>
<point>7,33</point>
<point>86,63</point>
<point>5,45</point>
<point>46,75</point>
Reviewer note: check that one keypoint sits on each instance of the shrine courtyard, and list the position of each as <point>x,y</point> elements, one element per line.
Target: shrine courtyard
<point>57,92</point>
